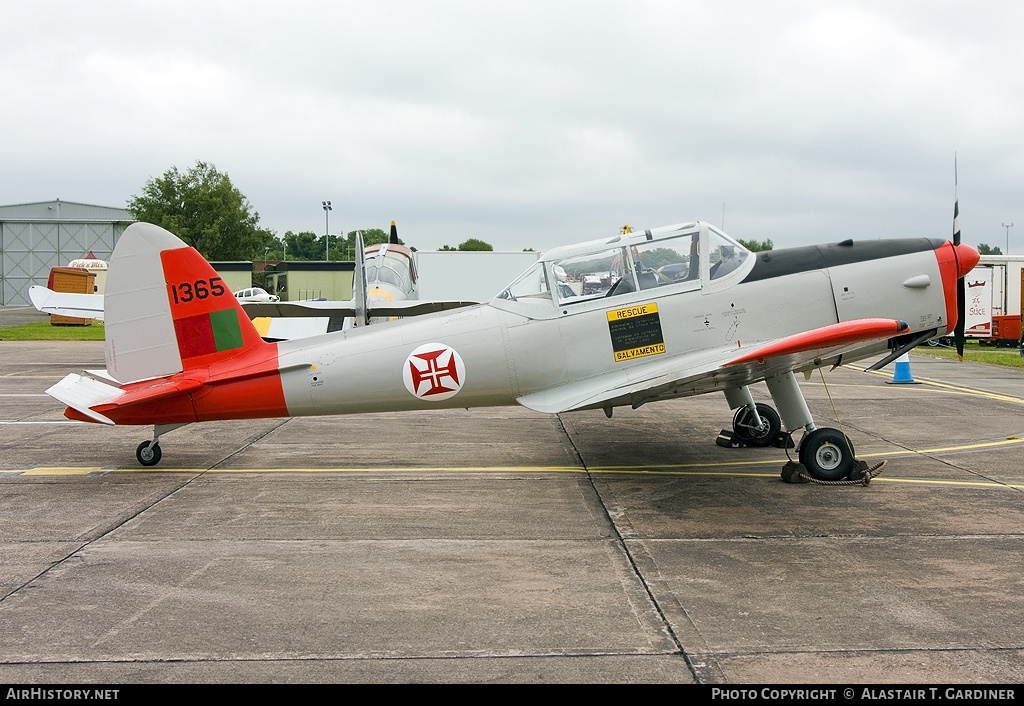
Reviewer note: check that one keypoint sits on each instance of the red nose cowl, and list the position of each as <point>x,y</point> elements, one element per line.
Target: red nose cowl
<point>966,258</point>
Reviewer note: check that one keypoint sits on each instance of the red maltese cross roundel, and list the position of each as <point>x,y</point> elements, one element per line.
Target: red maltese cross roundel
<point>434,372</point>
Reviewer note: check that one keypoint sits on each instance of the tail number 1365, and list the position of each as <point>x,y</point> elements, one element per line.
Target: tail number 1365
<point>200,289</point>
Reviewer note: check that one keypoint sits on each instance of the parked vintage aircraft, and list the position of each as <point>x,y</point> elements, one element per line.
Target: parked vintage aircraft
<point>179,348</point>
<point>386,286</point>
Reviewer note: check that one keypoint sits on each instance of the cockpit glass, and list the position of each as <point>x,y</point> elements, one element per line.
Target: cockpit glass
<point>532,283</point>
<point>386,274</point>
<point>594,275</point>
<point>725,255</point>
<point>668,261</point>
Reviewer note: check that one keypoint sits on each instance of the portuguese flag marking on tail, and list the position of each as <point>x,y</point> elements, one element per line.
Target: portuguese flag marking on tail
<point>208,333</point>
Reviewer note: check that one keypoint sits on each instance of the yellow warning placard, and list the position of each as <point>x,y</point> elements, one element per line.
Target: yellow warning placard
<point>641,310</point>
<point>636,331</point>
<point>640,352</point>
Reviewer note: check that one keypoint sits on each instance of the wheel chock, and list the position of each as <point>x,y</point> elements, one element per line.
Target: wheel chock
<point>783,441</point>
<point>727,439</point>
<point>794,472</point>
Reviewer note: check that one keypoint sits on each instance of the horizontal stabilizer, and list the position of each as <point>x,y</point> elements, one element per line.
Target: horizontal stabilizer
<point>84,306</point>
<point>411,307</point>
<point>81,393</point>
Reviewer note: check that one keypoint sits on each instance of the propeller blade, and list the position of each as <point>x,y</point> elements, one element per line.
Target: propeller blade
<point>956,222</point>
<point>394,234</point>
<point>961,315</point>
<point>961,292</point>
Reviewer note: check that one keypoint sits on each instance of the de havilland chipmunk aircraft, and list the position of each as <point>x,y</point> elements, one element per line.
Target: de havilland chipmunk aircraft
<point>667,312</point>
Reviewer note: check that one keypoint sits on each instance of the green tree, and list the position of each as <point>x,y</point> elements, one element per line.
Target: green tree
<point>371,236</point>
<point>475,244</point>
<point>203,208</point>
<point>984,249</point>
<point>756,245</point>
<point>304,246</point>
<point>310,246</point>
<point>346,248</point>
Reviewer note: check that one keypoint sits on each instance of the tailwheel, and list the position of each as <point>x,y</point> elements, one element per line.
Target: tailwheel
<point>745,427</point>
<point>148,453</point>
<point>827,454</point>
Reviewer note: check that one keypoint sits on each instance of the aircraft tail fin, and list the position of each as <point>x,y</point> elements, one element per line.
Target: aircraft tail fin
<point>359,290</point>
<point>167,309</point>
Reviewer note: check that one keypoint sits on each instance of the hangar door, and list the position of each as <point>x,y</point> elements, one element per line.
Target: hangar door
<point>29,250</point>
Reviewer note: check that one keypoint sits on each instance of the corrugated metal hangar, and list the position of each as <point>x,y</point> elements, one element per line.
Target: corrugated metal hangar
<point>37,236</point>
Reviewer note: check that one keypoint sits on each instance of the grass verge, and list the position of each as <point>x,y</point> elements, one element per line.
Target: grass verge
<point>43,331</point>
<point>1007,357</point>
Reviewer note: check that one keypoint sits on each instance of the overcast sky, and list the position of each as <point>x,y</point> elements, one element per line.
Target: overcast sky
<point>531,124</point>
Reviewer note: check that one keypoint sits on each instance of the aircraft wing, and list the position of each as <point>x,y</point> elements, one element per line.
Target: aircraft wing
<point>713,369</point>
<point>411,307</point>
<point>84,306</point>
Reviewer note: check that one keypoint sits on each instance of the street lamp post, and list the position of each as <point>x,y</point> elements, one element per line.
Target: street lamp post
<point>327,229</point>
<point>1007,226</point>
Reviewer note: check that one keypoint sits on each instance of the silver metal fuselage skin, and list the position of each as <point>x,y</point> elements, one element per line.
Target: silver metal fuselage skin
<point>514,347</point>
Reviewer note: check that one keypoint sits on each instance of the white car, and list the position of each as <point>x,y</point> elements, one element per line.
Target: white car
<point>255,294</point>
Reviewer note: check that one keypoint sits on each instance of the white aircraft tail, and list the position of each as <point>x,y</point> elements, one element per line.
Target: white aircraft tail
<point>167,310</point>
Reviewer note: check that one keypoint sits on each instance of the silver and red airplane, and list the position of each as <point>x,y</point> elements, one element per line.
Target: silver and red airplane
<point>622,321</point>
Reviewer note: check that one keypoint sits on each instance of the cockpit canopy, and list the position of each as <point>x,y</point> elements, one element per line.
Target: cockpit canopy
<point>641,260</point>
<point>391,267</point>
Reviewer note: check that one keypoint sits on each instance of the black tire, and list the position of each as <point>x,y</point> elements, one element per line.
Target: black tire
<point>148,455</point>
<point>742,425</point>
<point>827,454</point>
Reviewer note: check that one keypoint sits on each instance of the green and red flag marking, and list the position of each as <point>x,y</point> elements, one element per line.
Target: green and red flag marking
<point>208,333</point>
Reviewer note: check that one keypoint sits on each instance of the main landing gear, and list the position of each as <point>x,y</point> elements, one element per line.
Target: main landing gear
<point>148,452</point>
<point>758,426</point>
<point>825,454</point>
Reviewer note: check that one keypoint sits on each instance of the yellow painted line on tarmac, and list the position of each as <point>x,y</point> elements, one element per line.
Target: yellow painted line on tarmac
<point>682,469</point>
<point>59,471</point>
<point>675,471</point>
<point>1010,441</point>
<point>974,483</point>
<point>948,386</point>
<point>369,469</point>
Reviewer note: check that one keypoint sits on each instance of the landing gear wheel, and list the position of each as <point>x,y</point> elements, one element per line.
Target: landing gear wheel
<point>744,428</point>
<point>827,454</point>
<point>148,453</point>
